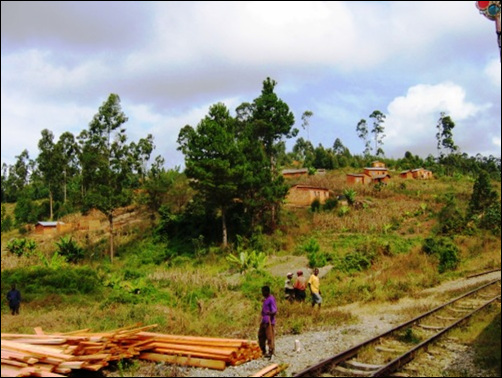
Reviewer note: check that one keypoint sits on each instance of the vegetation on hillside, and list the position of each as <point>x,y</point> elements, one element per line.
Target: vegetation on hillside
<point>171,267</point>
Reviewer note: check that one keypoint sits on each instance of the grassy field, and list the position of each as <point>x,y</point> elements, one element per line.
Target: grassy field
<point>376,252</point>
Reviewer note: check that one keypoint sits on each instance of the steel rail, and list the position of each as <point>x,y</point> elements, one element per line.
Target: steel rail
<point>345,355</point>
<point>408,356</point>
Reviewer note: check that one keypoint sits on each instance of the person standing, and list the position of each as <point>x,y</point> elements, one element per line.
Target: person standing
<point>266,333</point>
<point>300,286</point>
<point>315,289</point>
<point>289,290</point>
<point>14,298</point>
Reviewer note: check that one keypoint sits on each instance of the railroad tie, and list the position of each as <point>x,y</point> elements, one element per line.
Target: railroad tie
<point>448,318</point>
<point>430,327</point>
<point>362,366</point>
<point>356,372</point>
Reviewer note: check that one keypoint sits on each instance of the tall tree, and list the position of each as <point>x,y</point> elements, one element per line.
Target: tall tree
<point>483,195</point>
<point>69,150</point>
<point>307,114</point>
<point>362,133</point>
<point>212,160</point>
<point>106,162</point>
<point>378,130</point>
<point>50,165</point>
<point>271,121</point>
<point>444,135</point>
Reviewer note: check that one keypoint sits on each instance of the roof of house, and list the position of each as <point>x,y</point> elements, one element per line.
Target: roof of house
<point>308,187</point>
<point>357,174</point>
<point>407,171</point>
<point>417,169</point>
<point>376,169</point>
<point>293,171</point>
<point>49,224</point>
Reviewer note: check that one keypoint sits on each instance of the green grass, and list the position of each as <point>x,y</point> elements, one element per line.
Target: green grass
<point>193,291</point>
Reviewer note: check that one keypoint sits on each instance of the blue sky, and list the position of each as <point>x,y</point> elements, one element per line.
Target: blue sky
<point>169,61</point>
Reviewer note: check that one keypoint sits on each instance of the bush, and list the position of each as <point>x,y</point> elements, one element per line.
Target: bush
<point>69,249</point>
<point>38,280</point>
<point>330,204</point>
<point>21,247</point>
<point>445,250</point>
<point>313,250</point>
<point>315,206</point>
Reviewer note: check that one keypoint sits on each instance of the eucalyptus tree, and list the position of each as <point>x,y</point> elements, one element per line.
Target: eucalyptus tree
<point>106,162</point>
<point>444,134</point>
<point>50,163</point>
<point>362,133</point>
<point>378,129</point>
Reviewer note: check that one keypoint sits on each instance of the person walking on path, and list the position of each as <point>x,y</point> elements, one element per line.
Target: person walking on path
<point>315,290</point>
<point>266,333</point>
<point>289,290</point>
<point>300,287</point>
<point>14,298</point>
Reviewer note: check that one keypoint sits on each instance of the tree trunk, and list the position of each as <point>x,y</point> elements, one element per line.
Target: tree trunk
<point>110,220</point>
<point>50,204</point>
<point>224,227</point>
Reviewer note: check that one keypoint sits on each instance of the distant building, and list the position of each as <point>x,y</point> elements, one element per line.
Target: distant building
<point>304,195</point>
<point>406,174</point>
<point>293,173</point>
<point>49,227</point>
<point>378,164</point>
<point>421,173</point>
<point>376,171</point>
<point>358,178</point>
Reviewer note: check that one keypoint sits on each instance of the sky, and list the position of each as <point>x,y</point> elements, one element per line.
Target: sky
<point>170,61</point>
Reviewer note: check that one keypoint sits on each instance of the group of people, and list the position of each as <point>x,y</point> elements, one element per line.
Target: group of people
<point>297,290</point>
<point>293,291</point>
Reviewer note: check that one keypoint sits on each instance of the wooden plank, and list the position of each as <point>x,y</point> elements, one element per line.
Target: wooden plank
<point>35,349</point>
<point>213,350</point>
<point>14,363</point>
<point>39,331</point>
<point>209,356</point>
<point>186,361</point>
<point>430,327</point>
<point>265,370</point>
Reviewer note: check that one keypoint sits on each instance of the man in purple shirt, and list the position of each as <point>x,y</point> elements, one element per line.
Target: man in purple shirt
<point>266,333</point>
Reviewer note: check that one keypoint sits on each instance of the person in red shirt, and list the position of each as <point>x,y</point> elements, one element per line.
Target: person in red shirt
<point>300,287</point>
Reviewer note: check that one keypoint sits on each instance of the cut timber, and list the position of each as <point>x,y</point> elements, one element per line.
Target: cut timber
<point>187,361</point>
<point>448,318</point>
<point>36,350</point>
<point>265,370</point>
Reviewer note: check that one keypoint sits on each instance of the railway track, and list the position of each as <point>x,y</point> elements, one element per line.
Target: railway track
<point>390,351</point>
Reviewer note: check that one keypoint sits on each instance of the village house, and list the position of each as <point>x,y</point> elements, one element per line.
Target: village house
<point>294,173</point>
<point>418,174</point>
<point>304,195</point>
<point>406,174</point>
<point>358,178</point>
<point>50,227</point>
<point>377,173</point>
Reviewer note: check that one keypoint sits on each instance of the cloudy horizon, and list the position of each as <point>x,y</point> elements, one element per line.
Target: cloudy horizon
<point>170,61</point>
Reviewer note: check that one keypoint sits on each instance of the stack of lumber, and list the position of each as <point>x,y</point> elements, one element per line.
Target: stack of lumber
<point>213,353</point>
<point>56,354</point>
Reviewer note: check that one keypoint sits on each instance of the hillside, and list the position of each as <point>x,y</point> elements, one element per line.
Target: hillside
<point>371,253</point>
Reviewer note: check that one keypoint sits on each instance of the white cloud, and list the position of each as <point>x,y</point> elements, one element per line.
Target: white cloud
<point>492,70</point>
<point>412,119</point>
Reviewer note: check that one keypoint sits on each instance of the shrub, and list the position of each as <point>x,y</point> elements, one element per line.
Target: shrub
<point>350,194</point>
<point>315,206</point>
<point>445,250</point>
<point>38,280</point>
<point>21,247</point>
<point>69,249</point>
<point>330,204</point>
